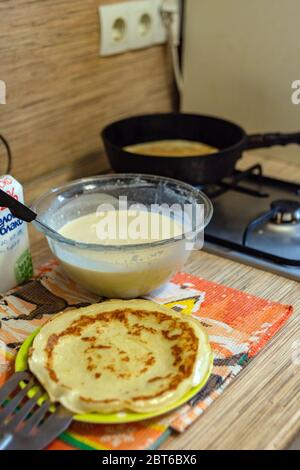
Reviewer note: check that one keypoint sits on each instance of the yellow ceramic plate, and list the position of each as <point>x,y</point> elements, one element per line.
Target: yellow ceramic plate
<point>21,364</point>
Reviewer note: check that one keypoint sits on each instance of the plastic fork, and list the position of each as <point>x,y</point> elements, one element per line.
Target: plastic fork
<point>24,425</point>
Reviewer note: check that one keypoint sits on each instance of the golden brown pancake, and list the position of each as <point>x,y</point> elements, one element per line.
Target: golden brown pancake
<point>119,356</point>
<point>172,148</point>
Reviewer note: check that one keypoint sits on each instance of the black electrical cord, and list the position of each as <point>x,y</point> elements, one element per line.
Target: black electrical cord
<point>9,155</point>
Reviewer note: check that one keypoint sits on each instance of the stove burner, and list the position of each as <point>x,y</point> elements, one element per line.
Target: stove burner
<point>285,212</point>
<point>250,202</point>
<point>281,212</point>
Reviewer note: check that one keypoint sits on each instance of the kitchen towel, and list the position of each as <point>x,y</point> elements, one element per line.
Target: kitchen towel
<point>238,325</point>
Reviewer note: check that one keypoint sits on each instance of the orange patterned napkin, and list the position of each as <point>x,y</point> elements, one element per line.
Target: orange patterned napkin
<point>239,325</point>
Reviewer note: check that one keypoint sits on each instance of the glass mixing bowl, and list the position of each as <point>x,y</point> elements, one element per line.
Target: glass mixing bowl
<point>112,270</point>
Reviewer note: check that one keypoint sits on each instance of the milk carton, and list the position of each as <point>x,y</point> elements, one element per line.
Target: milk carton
<point>15,258</point>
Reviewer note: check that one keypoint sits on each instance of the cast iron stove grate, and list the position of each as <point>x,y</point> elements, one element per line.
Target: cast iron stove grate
<point>257,221</point>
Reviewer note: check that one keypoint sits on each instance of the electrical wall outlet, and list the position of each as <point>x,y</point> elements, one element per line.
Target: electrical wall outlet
<point>136,24</point>
<point>142,24</point>
<point>114,26</point>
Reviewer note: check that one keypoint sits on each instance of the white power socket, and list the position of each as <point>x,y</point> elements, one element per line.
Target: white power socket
<point>114,26</point>
<point>135,25</point>
<point>142,24</point>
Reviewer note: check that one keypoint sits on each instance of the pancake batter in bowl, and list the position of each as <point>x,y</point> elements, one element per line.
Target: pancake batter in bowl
<point>122,227</point>
<point>123,266</point>
<point>123,273</point>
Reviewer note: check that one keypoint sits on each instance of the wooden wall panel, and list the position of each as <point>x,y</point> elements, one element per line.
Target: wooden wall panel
<point>60,92</point>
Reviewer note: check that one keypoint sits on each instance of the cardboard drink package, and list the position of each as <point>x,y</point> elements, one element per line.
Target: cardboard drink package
<point>15,259</point>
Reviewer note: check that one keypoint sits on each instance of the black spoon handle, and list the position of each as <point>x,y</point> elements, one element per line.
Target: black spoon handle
<point>16,208</point>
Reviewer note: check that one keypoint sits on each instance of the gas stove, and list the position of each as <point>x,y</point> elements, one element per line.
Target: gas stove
<point>256,221</point>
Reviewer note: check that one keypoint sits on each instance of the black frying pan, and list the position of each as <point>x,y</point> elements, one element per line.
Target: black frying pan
<point>230,138</point>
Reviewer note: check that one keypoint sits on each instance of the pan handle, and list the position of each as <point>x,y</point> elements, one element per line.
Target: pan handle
<point>256,141</point>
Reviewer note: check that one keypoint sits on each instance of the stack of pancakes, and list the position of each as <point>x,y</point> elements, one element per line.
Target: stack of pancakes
<point>120,356</point>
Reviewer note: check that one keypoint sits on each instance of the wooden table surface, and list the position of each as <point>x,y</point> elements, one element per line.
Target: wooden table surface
<point>261,408</point>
